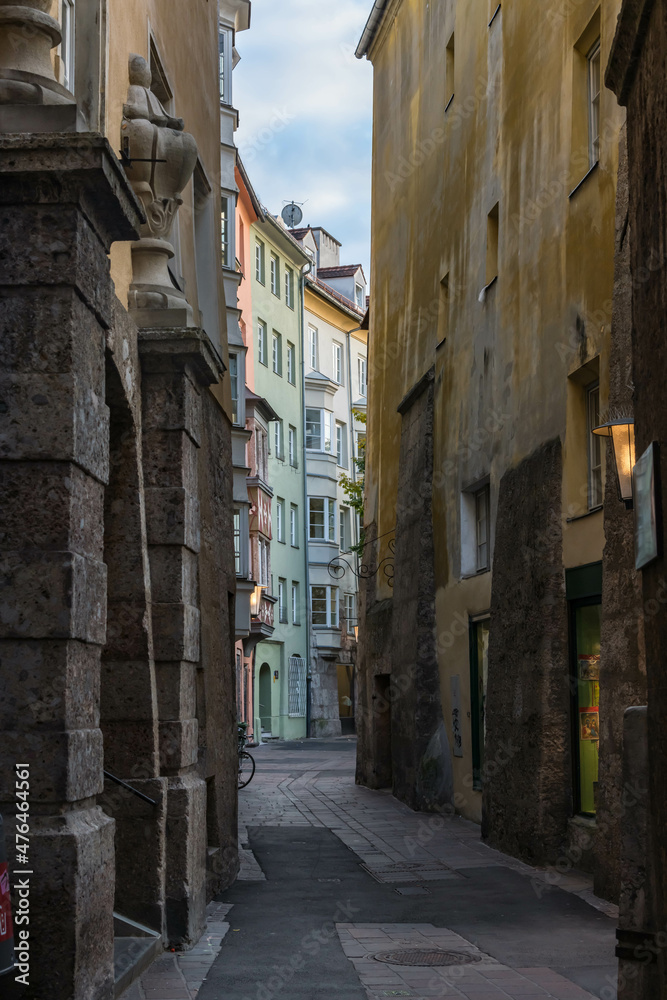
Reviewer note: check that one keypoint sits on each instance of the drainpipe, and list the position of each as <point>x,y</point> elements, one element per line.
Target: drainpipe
<point>306,269</point>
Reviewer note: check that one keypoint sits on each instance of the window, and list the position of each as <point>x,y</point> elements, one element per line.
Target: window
<point>280,520</point>
<point>275,275</point>
<point>297,686</point>
<point>344,529</point>
<point>482,526</point>
<point>277,353</point>
<point>263,567</point>
<point>449,71</point>
<point>261,452</point>
<point>67,47</point>
<point>359,293</point>
<point>313,347</point>
<point>338,363</point>
<point>593,59</point>
<point>291,447</point>
<point>318,430</point>
<point>278,439</point>
<point>361,365</point>
<point>360,438</point>
<point>291,363</point>
<point>282,601</point>
<point>479,673</point>
<point>322,519</point>
<point>492,245</point>
<point>234,385</point>
<point>225,231</point>
<point>594,447</point>
<point>237,542</point>
<point>289,287</point>
<point>324,606</point>
<point>241,246</point>
<point>295,603</point>
<point>350,611</point>
<point>224,46</point>
<point>341,450</point>
<point>260,272</point>
<point>294,526</point>
<point>262,343</point>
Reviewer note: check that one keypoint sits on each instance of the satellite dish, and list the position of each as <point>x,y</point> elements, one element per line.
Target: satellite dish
<point>292,215</point>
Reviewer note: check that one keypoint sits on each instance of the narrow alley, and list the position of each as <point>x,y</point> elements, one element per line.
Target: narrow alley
<point>334,875</point>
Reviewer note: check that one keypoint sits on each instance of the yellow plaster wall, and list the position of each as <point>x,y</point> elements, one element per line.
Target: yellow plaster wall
<point>511,136</point>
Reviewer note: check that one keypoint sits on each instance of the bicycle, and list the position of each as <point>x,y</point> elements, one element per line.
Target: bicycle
<point>246,761</point>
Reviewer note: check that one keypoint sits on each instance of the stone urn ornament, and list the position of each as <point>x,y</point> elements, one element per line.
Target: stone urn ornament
<point>27,35</point>
<point>159,158</point>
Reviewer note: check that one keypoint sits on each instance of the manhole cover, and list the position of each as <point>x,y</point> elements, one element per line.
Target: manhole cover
<point>433,958</point>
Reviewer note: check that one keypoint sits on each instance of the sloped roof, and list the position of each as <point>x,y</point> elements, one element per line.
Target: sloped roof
<point>340,271</point>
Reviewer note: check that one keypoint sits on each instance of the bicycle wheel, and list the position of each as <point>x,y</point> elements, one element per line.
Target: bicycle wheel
<point>246,769</point>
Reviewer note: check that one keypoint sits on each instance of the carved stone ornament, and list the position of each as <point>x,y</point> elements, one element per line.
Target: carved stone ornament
<point>27,35</point>
<point>159,159</point>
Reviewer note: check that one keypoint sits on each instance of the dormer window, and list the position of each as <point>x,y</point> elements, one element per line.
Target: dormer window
<point>359,290</point>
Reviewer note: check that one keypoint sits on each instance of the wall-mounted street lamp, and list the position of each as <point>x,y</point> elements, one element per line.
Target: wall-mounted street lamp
<point>256,600</point>
<point>621,430</point>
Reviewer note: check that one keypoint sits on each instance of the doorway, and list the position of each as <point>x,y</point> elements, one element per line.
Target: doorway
<point>265,698</point>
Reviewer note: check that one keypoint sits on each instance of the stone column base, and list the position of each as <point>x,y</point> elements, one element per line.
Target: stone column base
<point>186,859</point>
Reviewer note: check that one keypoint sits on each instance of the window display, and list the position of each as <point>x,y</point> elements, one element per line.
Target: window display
<point>587,687</point>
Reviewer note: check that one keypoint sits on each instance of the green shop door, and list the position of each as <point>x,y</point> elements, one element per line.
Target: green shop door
<point>584,592</point>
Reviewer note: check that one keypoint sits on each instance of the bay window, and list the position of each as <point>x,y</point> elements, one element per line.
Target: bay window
<point>322,519</point>
<point>324,606</point>
<point>319,430</point>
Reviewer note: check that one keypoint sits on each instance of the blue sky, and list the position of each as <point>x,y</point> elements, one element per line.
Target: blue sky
<point>305,107</point>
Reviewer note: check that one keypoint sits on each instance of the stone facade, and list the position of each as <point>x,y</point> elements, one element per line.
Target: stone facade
<point>118,583</point>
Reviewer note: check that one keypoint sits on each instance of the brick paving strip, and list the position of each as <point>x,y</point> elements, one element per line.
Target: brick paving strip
<point>485,979</point>
<point>179,975</point>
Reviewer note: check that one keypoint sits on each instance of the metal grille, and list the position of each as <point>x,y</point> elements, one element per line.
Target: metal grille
<point>434,958</point>
<point>297,687</point>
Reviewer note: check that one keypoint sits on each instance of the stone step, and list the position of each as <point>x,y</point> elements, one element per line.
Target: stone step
<point>135,947</point>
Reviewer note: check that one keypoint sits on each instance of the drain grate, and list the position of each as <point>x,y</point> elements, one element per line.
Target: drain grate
<point>435,958</point>
<point>409,871</point>
<point>412,890</point>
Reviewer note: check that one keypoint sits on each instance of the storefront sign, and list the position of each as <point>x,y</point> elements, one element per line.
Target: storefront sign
<point>647,533</point>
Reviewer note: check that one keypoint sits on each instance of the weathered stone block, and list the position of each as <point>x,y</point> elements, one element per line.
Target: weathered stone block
<point>171,403</point>
<point>176,690</point>
<point>186,859</point>
<point>170,459</point>
<point>64,767</point>
<point>52,595</point>
<point>50,683</point>
<point>57,417</point>
<point>127,690</point>
<point>131,747</point>
<point>128,635</point>
<point>71,520</point>
<point>173,574</point>
<point>178,744</point>
<point>172,517</point>
<point>176,632</point>
<point>72,928</point>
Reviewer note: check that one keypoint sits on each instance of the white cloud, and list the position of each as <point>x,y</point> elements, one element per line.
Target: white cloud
<point>305,106</point>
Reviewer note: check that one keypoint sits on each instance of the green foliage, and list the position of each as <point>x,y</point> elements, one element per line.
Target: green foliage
<point>354,488</point>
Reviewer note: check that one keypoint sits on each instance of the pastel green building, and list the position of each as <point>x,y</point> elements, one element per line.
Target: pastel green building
<point>276,275</point>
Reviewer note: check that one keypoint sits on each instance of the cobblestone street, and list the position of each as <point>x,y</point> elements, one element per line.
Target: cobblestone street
<point>335,878</point>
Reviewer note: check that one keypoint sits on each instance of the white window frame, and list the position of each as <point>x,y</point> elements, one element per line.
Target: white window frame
<point>260,262</point>
<point>225,64</point>
<point>294,526</point>
<point>295,603</point>
<point>344,528</point>
<point>337,363</point>
<point>291,363</point>
<point>483,529</point>
<point>313,348</point>
<point>263,551</point>
<point>332,606</point>
<point>225,231</point>
<point>594,446</point>
<point>68,43</point>
<point>278,439</point>
<point>282,605</point>
<point>291,447</point>
<point>280,520</point>
<point>234,386</point>
<point>359,292</point>
<point>275,275</point>
<point>277,353</point>
<point>362,371</point>
<point>262,339</point>
<point>594,69</point>
<point>237,541</point>
<point>328,514</point>
<point>350,609</point>
<point>289,287</point>
<point>341,444</point>
<point>326,430</point>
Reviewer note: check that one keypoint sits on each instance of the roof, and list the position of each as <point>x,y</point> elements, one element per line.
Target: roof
<point>299,234</point>
<point>373,23</point>
<point>261,404</point>
<point>286,233</point>
<point>254,200</point>
<point>330,293</point>
<point>340,271</point>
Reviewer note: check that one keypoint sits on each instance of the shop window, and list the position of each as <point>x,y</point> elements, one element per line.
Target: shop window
<point>479,674</point>
<point>585,641</point>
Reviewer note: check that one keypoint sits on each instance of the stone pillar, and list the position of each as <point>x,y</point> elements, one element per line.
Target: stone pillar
<point>175,365</point>
<point>63,201</point>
